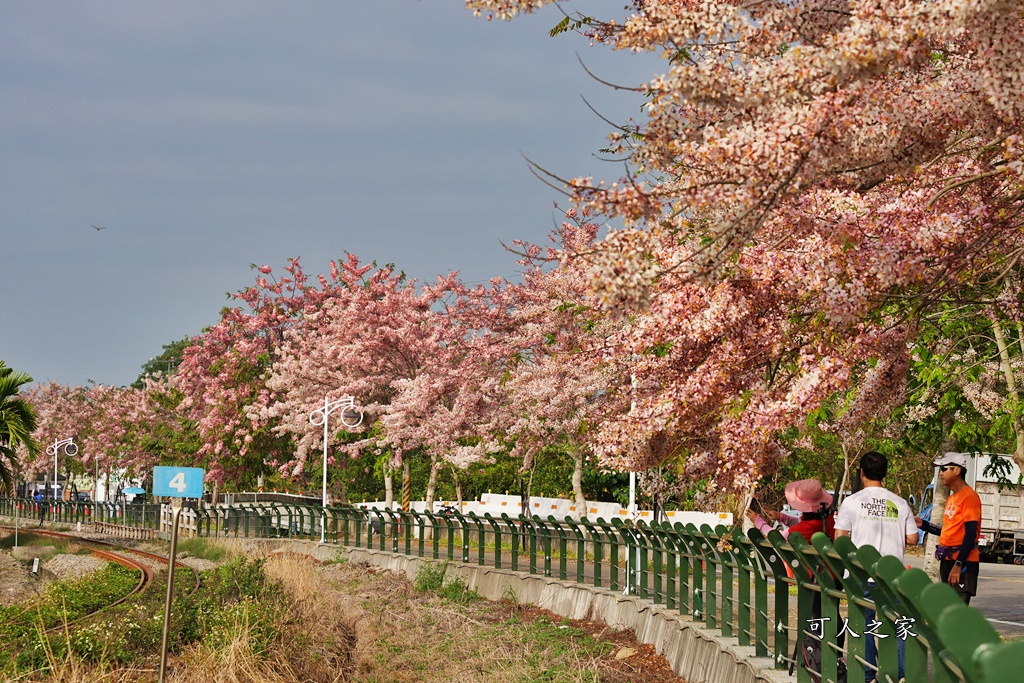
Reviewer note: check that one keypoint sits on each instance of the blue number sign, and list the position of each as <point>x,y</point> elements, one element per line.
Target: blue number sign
<point>178,482</point>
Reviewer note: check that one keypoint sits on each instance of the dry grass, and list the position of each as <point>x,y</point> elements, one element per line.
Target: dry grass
<point>407,637</point>
<point>344,623</point>
<point>314,643</point>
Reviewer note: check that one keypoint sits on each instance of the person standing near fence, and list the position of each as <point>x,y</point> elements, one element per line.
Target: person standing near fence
<point>811,500</point>
<point>877,517</point>
<point>957,551</point>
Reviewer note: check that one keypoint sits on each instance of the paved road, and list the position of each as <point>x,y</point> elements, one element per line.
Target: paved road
<point>1000,596</point>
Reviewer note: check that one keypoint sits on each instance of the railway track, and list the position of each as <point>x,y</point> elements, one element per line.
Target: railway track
<point>123,556</point>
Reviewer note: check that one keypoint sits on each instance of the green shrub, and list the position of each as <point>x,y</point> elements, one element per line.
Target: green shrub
<point>21,629</point>
<point>240,578</point>
<point>233,596</point>
<point>201,547</point>
<point>432,577</point>
<point>456,590</point>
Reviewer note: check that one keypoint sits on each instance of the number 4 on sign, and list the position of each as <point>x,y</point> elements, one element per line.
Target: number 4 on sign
<point>178,482</point>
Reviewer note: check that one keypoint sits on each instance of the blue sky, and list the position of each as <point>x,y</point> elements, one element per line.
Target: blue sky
<point>208,136</point>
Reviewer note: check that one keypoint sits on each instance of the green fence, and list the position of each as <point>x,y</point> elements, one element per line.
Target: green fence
<point>146,515</point>
<point>739,585</point>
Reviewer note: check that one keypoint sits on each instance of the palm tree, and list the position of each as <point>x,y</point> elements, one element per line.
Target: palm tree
<point>17,422</point>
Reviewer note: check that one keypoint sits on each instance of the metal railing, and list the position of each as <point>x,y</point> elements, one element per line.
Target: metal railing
<point>144,515</point>
<point>739,585</point>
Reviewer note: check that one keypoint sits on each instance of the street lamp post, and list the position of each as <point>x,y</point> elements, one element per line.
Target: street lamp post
<point>69,448</point>
<point>319,417</point>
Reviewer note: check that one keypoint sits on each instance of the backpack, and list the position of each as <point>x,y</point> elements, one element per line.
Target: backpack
<point>811,659</point>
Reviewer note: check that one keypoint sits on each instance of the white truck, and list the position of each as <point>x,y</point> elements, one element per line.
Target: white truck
<point>1002,509</point>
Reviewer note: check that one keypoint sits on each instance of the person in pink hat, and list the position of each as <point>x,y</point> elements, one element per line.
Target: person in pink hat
<point>812,501</point>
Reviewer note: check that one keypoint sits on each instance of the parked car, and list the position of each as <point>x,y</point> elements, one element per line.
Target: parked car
<point>83,497</point>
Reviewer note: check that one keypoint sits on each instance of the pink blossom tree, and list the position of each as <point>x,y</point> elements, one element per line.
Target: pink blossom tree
<point>401,351</point>
<point>223,372</point>
<point>61,412</point>
<point>110,427</point>
<point>811,180</point>
<point>561,379</point>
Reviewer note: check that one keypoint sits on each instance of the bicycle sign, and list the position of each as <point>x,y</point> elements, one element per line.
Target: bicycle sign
<point>178,482</point>
<point>67,445</point>
<point>350,417</point>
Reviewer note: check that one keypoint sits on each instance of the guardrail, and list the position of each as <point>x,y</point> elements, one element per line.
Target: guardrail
<point>736,584</point>
<point>122,531</point>
<point>145,515</point>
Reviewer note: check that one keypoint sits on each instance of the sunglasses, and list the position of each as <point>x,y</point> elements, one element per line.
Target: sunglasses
<point>946,468</point>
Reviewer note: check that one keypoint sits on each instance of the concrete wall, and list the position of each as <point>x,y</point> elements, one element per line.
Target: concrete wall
<point>497,503</point>
<point>696,654</point>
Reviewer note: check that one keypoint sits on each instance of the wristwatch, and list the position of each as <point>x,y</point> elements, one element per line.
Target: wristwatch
<point>958,563</point>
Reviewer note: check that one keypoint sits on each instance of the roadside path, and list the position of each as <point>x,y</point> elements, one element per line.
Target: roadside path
<point>1000,596</point>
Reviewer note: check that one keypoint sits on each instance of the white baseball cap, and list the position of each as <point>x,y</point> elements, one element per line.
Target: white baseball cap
<point>951,458</point>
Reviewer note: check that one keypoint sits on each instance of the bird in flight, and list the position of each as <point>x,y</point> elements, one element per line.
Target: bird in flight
<point>100,227</point>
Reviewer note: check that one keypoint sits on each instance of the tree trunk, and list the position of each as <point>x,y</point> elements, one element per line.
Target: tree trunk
<point>1018,455</point>
<point>529,492</point>
<point>1011,390</point>
<point>389,487</point>
<point>435,465</point>
<point>746,500</point>
<point>846,479</point>
<point>406,485</point>
<point>458,487</point>
<point>578,458</point>
<point>941,493</point>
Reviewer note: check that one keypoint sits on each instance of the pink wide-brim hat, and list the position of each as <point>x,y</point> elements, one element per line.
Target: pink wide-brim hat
<point>807,495</point>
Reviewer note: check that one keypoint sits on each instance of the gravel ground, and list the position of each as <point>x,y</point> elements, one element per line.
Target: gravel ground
<point>72,566</point>
<point>16,582</point>
<point>198,563</point>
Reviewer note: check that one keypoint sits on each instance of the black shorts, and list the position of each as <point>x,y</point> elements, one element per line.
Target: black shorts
<point>968,576</point>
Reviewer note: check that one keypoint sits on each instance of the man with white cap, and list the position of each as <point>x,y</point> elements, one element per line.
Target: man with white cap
<point>957,550</point>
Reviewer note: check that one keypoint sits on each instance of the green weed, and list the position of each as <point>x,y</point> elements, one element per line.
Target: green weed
<point>20,626</point>
<point>233,596</point>
<point>201,547</point>
<point>432,577</point>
